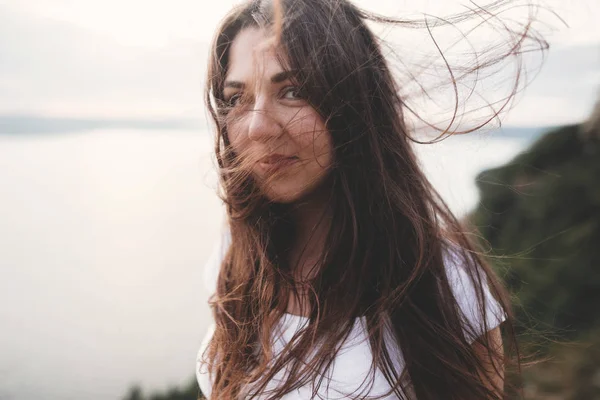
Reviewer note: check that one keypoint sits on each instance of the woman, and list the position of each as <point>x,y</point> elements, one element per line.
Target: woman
<point>341,274</point>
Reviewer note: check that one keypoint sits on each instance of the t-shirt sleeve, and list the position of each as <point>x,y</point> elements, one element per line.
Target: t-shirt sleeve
<point>213,264</point>
<point>464,288</point>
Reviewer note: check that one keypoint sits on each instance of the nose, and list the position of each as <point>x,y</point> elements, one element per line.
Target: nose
<point>263,124</point>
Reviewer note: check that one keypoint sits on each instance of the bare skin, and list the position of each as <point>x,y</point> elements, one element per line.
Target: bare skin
<point>494,368</point>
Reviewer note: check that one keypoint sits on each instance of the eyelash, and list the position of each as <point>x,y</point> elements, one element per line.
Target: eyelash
<point>287,89</point>
<point>231,102</point>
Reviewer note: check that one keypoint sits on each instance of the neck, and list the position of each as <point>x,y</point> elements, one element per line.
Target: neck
<point>312,219</point>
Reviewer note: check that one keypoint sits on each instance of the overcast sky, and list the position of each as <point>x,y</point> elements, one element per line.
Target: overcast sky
<point>143,58</point>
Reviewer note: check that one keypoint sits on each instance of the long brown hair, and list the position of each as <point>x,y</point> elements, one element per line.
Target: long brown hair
<point>389,232</point>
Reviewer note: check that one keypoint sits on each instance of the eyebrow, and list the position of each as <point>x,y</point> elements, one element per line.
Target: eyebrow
<point>277,78</point>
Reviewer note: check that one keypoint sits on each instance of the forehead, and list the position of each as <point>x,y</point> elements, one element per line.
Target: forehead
<point>252,55</point>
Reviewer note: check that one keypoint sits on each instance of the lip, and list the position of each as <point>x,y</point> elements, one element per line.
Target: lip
<point>274,162</point>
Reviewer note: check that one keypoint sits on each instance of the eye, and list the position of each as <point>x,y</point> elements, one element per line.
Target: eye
<point>233,100</point>
<point>291,93</point>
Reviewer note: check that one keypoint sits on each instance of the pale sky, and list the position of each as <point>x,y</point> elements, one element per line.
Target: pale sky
<point>141,58</point>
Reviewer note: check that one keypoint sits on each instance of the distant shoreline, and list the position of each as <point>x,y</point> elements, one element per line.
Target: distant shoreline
<point>34,124</point>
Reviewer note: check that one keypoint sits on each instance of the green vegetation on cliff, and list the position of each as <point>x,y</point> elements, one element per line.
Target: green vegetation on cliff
<point>540,214</point>
<point>189,391</point>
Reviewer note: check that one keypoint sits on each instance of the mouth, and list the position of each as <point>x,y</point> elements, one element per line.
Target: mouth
<point>276,162</point>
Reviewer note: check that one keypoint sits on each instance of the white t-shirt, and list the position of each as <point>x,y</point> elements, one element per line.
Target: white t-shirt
<point>350,375</point>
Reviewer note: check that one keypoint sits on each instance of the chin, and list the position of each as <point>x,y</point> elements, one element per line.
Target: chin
<point>289,194</point>
<point>285,197</point>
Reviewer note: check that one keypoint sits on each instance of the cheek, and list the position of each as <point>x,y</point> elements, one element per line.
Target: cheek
<point>239,142</point>
<point>324,148</point>
<point>315,141</point>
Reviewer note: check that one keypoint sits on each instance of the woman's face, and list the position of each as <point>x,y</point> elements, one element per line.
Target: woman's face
<point>279,136</point>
